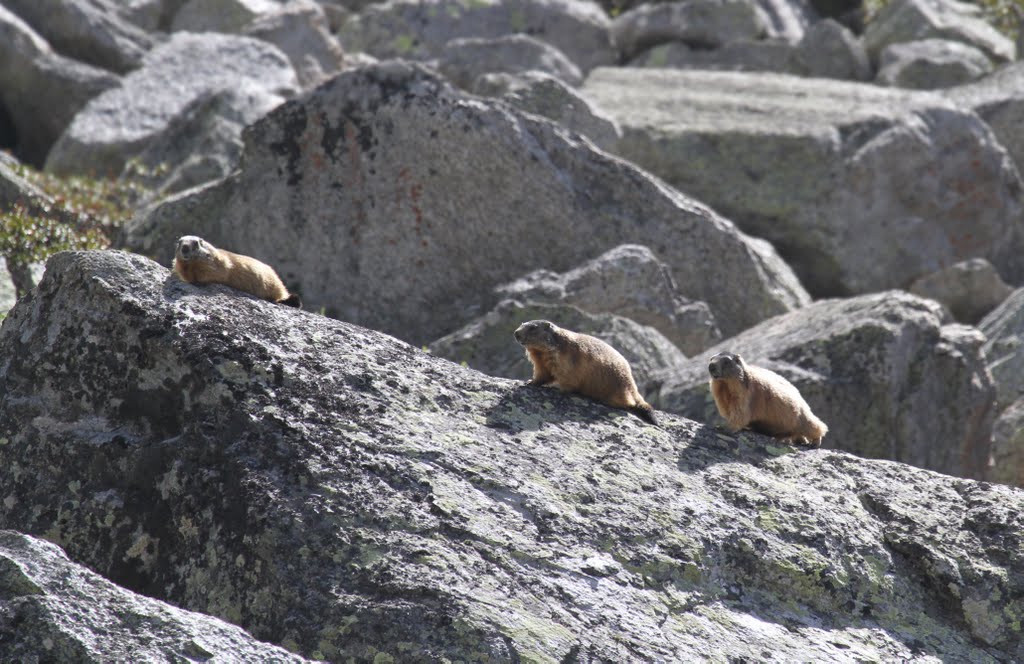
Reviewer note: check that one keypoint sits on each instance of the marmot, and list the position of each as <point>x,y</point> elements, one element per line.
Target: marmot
<point>199,262</point>
<point>581,363</point>
<point>763,401</point>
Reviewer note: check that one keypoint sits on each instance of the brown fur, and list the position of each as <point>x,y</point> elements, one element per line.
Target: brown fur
<point>755,398</point>
<point>581,363</point>
<point>199,262</point>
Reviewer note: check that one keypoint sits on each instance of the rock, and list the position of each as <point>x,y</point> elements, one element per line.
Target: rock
<point>334,192</point>
<point>39,90</point>
<point>703,24</point>
<point>829,50</point>
<point>121,123</point>
<point>869,367</point>
<point>788,19</point>
<point>1008,446</point>
<point>999,100</point>
<point>860,188</point>
<point>628,281</point>
<point>231,16</point>
<point>201,143</point>
<point>911,20</point>
<point>1003,328</point>
<point>541,94</point>
<point>487,345</point>
<point>420,29</point>
<point>463,60</point>
<point>332,489</point>
<point>52,610</point>
<point>929,64</point>
<point>969,289</point>
<point>775,55</point>
<point>87,30</point>
<point>300,30</point>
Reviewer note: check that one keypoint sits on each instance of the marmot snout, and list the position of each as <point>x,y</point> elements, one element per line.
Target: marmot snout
<point>753,397</point>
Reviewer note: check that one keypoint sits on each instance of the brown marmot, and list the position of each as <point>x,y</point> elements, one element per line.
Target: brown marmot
<point>581,363</point>
<point>199,262</point>
<point>761,400</point>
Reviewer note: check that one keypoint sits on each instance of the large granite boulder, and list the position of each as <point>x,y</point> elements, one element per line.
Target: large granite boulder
<point>344,494</point>
<point>870,367</point>
<point>1008,446</point>
<point>300,30</point>
<point>627,281</point>
<point>464,60</point>
<point>860,188</point>
<point>999,100</point>
<point>1004,333</point>
<point>969,290</point>
<point>119,124</point>
<point>91,31</point>
<point>911,20</point>
<point>543,94</point>
<point>53,610</point>
<point>230,16</point>
<point>41,91</point>
<point>336,190</point>
<point>704,24</point>
<point>928,64</point>
<point>420,29</point>
<point>486,344</point>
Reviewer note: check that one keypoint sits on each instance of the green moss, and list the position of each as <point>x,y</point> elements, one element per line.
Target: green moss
<point>403,44</point>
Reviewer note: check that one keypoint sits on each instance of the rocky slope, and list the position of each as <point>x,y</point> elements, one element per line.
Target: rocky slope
<point>341,493</point>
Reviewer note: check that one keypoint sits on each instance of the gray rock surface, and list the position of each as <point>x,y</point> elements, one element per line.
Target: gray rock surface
<point>1003,328</point>
<point>119,124</point>
<point>830,50</point>
<point>911,20</point>
<point>882,371</point>
<point>704,24</point>
<point>464,60</point>
<point>40,90</point>
<point>860,188</point>
<point>487,345</point>
<point>53,610</point>
<point>969,289</point>
<point>542,94</point>
<point>419,29</point>
<point>300,30</point>
<point>334,192</point>
<point>628,281</point>
<point>330,488</point>
<point>91,31</point>
<point>929,64</point>
<point>1008,446</point>
<point>999,100</point>
<point>230,16</point>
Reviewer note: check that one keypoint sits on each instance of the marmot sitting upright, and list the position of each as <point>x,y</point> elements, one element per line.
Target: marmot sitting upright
<point>581,363</point>
<point>755,398</point>
<point>199,262</point>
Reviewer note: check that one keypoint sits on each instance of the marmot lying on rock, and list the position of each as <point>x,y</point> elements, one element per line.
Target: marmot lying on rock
<point>755,398</point>
<point>583,364</point>
<point>199,262</point>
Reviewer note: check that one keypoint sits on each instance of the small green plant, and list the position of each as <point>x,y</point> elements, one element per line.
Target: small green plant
<point>73,213</point>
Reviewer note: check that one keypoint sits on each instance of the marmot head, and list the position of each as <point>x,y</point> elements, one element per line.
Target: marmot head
<point>728,365</point>
<point>193,247</point>
<point>538,333</point>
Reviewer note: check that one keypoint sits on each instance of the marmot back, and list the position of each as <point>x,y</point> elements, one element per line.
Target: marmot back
<point>199,262</point>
